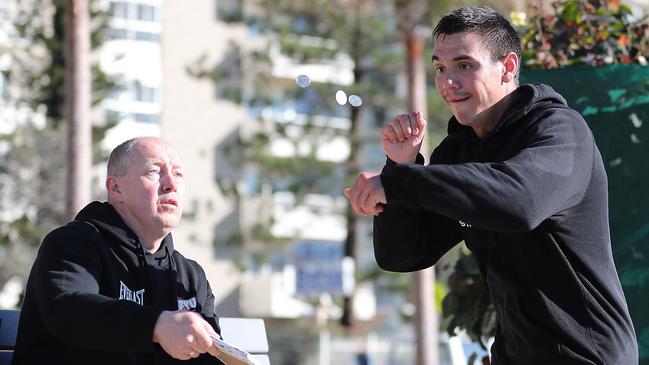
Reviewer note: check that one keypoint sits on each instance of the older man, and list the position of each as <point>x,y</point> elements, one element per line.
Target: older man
<point>109,288</point>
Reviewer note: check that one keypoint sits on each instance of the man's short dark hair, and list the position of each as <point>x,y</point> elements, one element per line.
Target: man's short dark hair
<point>120,158</point>
<point>497,33</point>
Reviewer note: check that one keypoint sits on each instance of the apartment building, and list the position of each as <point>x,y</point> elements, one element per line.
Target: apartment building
<point>131,55</point>
<point>200,124</point>
<point>203,124</point>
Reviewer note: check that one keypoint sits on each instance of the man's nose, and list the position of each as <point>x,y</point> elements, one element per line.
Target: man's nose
<point>169,183</point>
<point>449,81</point>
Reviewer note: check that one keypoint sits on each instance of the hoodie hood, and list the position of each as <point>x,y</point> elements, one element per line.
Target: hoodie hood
<point>522,101</point>
<point>110,225</point>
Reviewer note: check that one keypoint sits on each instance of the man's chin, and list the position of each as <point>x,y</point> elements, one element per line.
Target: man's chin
<point>465,116</point>
<point>464,119</point>
<point>170,221</point>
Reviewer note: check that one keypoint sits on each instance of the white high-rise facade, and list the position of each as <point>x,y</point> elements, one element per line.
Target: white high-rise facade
<point>200,125</point>
<point>204,125</point>
<point>131,55</point>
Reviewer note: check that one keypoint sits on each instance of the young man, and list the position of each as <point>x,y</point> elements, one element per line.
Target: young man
<point>520,180</point>
<point>109,288</point>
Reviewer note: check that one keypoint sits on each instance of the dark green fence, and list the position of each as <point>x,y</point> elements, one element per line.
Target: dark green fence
<point>614,100</point>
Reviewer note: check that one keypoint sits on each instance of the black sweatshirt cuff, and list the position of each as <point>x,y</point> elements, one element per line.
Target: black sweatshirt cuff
<point>389,164</point>
<point>388,177</point>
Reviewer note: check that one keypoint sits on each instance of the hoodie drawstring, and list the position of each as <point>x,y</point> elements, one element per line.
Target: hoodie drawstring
<point>145,266</point>
<point>172,273</point>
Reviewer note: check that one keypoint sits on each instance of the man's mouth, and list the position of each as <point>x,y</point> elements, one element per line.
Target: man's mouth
<point>456,99</point>
<point>172,202</point>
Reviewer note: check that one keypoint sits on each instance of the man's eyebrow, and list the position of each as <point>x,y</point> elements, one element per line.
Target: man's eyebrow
<point>457,58</point>
<point>153,161</point>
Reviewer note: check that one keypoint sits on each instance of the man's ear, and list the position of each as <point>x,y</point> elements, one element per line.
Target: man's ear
<point>511,63</point>
<point>112,187</point>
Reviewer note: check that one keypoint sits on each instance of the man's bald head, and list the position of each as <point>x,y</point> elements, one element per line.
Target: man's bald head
<point>122,156</point>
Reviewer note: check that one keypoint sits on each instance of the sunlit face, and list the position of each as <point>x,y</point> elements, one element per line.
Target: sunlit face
<point>466,77</point>
<point>152,189</point>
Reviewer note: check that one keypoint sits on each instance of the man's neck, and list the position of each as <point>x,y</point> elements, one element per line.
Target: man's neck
<point>151,241</point>
<point>151,246</point>
<point>485,123</point>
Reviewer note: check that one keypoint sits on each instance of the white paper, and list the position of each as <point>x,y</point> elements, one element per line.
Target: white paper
<point>231,355</point>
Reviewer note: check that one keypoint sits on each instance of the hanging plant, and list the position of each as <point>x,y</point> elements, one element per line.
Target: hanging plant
<point>583,32</point>
<point>467,305</point>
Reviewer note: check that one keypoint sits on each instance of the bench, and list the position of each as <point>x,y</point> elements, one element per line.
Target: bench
<point>8,330</point>
<point>246,333</point>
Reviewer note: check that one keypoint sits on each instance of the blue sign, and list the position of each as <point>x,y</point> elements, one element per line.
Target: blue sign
<point>318,266</point>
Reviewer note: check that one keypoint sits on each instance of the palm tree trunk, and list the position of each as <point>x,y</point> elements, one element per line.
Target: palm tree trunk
<point>77,106</point>
<point>425,321</point>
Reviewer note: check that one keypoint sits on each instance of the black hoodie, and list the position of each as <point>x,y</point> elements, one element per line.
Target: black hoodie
<point>530,201</point>
<point>94,295</point>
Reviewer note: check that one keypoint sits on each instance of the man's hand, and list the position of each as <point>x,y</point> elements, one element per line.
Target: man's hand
<point>367,194</point>
<point>402,137</point>
<point>184,335</point>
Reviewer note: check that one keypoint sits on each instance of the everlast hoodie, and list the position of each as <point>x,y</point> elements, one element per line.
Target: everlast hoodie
<point>530,202</point>
<point>94,295</point>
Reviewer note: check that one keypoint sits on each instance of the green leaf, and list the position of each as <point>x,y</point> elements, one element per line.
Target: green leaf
<point>624,9</point>
<point>571,12</point>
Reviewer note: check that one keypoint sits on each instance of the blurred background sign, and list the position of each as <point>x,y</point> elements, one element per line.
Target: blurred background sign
<point>320,268</point>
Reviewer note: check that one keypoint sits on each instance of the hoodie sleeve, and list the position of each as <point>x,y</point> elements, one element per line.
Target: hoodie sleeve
<point>548,175</point>
<point>67,271</point>
<point>207,307</point>
<point>208,312</point>
<point>411,238</point>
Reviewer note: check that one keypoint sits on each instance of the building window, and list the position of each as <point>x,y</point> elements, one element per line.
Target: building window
<point>115,93</point>
<point>147,13</point>
<point>146,118</point>
<point>114,116</point>
<point>119,9</point>
<point>147,37</point>
<point>114,33</point>
<point>145,94</point>
<point>125,10</point>
<point>4,8</point>
<point>118,33</point>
